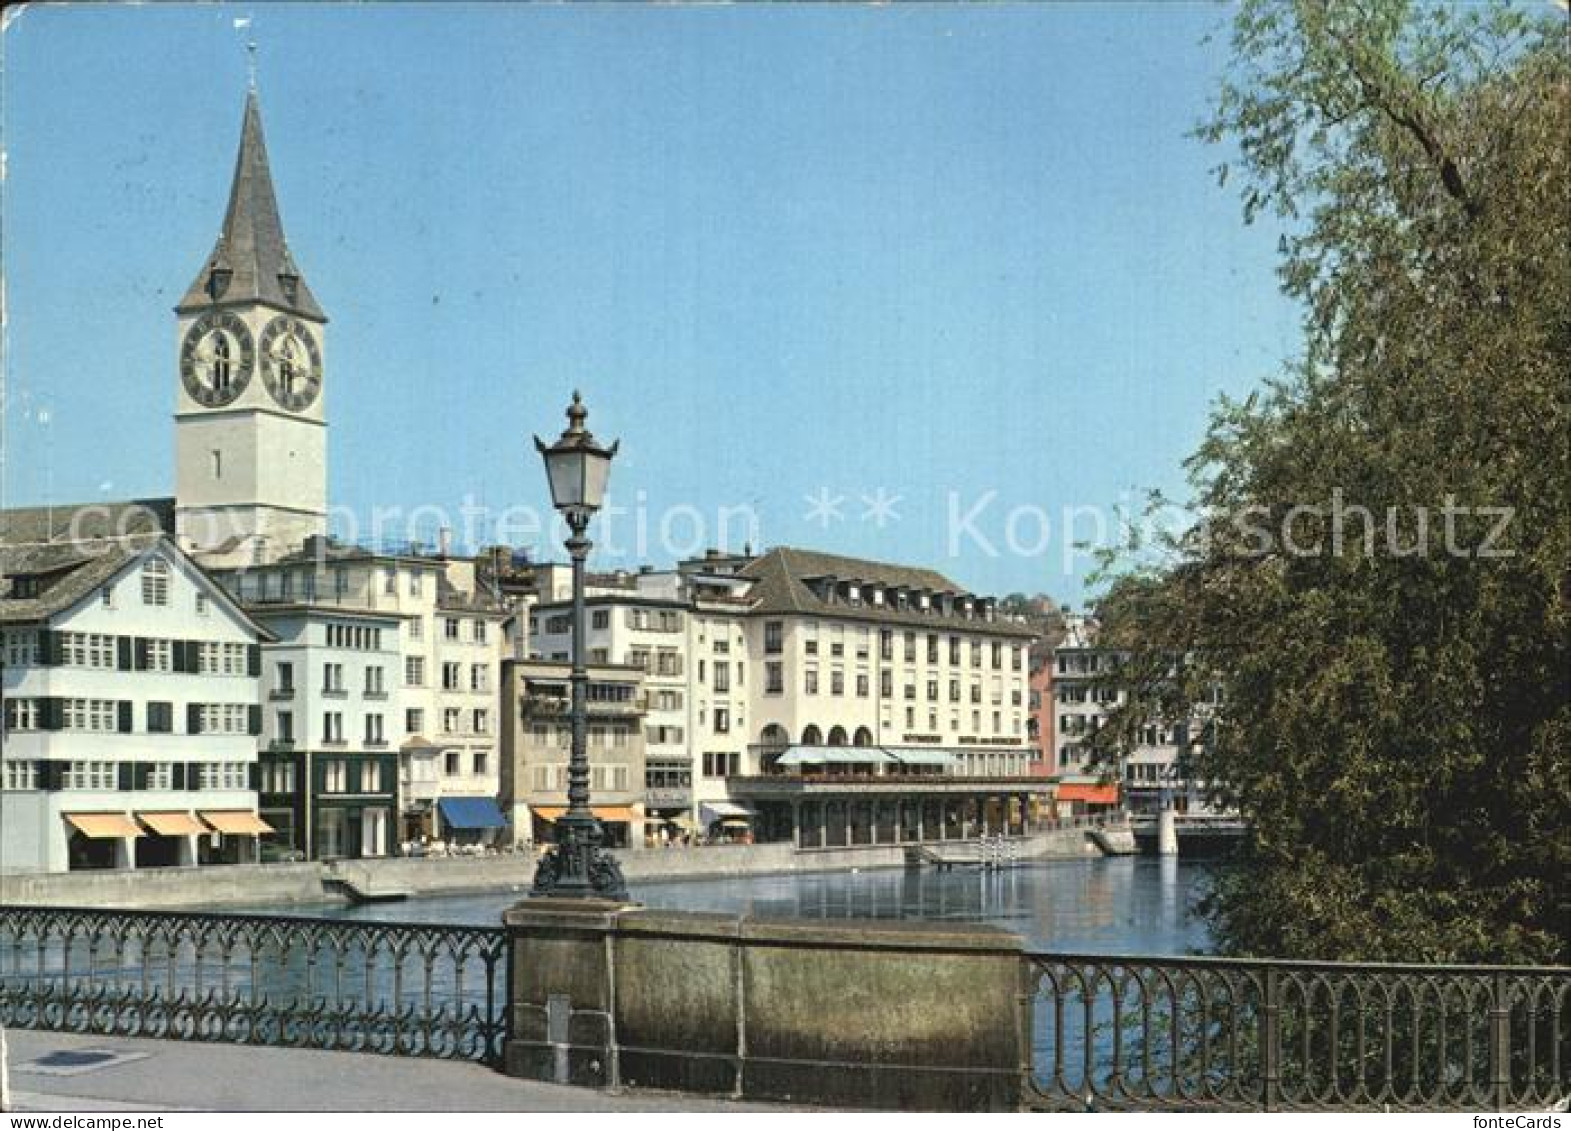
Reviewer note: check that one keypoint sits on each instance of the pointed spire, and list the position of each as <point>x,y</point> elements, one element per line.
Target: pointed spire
<point>251,262</point>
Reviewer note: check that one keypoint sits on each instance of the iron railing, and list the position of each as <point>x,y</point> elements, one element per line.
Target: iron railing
<point>406,989</point>
<point>1122,1033</point>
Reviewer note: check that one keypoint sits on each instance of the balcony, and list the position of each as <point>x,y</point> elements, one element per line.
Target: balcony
<point>378,694</point>
<point>551,706</point>
<point>281,746</point>
<point>334,693</point>
<point>279,694</point>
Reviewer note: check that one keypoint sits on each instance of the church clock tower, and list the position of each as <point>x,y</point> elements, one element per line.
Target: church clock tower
<point>250,426</point>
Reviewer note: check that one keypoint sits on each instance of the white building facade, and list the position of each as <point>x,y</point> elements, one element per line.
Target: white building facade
<point>131,717</point>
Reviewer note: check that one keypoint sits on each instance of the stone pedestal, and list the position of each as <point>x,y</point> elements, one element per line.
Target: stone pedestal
<point>914,1016</point>
<point>560,1022</point>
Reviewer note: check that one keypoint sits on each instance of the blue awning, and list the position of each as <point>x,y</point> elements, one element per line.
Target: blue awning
<point>471,813</point>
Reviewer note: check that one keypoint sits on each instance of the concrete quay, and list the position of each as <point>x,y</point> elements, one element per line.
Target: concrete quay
<point>171,1076</point>
<point>315,883</point>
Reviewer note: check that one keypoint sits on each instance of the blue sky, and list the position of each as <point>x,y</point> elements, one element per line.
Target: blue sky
<point>962,256</point>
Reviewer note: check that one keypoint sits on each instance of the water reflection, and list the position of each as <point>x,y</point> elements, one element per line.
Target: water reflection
<point>1130,905</point>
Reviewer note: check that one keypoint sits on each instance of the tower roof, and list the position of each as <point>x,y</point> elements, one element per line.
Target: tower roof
<point>251,260</point>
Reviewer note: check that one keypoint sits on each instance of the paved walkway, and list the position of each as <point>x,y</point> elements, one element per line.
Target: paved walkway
<point>188,1076</point>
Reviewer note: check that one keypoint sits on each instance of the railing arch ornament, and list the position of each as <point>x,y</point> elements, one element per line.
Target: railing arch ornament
<point>410,988</point>
<point>1127,1033</point>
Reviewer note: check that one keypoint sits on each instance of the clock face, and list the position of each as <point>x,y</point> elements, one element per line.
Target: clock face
<point>216,359</point>
<point>291,363</point>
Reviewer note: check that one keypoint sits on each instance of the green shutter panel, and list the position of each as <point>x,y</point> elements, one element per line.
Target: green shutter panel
<point>253,719</point>
<point>193,718</point>
<point>142,772</point>
<point>140,651</point>
<point>253,659</point>
<point>52,775</point>
<point>254,772</point>
<point>48,647</point>
<point>51,713</point>
<point>178,655</point>
<point>193,779</point>
<point>123,711</point>
<point>123,650</point>
<point>126,775</point>
<point>177,778</point>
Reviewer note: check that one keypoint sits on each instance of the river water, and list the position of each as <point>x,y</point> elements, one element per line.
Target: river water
<point>1120,905</point>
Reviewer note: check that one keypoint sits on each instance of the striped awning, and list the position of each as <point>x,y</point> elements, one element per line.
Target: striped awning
<point>834,756</point>
<point>237,822</point>
<point>922,757</point>
<point>104,826</point>
<point>618,814</point>
<point>172,824</point>
<point>1100,794</point>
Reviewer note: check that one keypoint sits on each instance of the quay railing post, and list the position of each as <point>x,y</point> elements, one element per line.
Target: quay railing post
<point>1271,1041</point>
<point>1500,1043</point>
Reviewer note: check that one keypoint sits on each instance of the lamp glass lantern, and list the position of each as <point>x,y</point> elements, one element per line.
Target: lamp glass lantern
<point>577,467</point>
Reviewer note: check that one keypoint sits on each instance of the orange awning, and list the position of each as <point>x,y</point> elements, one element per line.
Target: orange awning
<point>237,821</point>
<point>614,813</point>
<point>1090,794</point>
<point>104,826</point>
<point>172,824</point>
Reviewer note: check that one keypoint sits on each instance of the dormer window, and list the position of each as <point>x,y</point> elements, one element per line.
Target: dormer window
<point>926,602</point>
<point>289,283</point>
<point>218,282</point>
<point>900,600</point>
<point>854,593</point>
<point>878,597</point>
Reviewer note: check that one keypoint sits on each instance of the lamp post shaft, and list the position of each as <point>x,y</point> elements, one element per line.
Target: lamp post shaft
<point>578,762</point>
<point>577,865</point>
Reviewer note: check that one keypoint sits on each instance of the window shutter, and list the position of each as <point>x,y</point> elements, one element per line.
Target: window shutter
<point>52,774</point>
<point>180,656</point>
<point>123,650</point>
<point>193,777</point>
<point>193,718</point>
<point>254,776</point>
<point>253,659</point>
<point>139,778</point>
<point>48,647</point>
<point>253,719</point>
<point>139,654</point>
<point>51,714</point>
<point>126,775</point>
<point>123,710</point>
<point>177,777</point>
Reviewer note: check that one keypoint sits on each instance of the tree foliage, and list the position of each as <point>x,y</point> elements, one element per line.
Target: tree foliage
<point>1396,683</point>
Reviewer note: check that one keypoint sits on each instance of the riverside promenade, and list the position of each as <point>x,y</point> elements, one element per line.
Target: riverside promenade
<point>55,1072</point>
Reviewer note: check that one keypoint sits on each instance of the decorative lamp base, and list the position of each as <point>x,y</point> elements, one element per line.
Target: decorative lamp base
<point>577,867</point>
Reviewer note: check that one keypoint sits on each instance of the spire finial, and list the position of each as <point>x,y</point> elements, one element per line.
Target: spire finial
<point>576,414</point>
<point>243,23</point>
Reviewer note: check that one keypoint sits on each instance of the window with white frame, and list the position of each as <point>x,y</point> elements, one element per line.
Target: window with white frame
<point>155,582</point>
<point>21,714</point>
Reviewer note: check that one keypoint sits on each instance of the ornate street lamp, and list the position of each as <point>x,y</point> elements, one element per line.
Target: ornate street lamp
<point>577,865</point>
